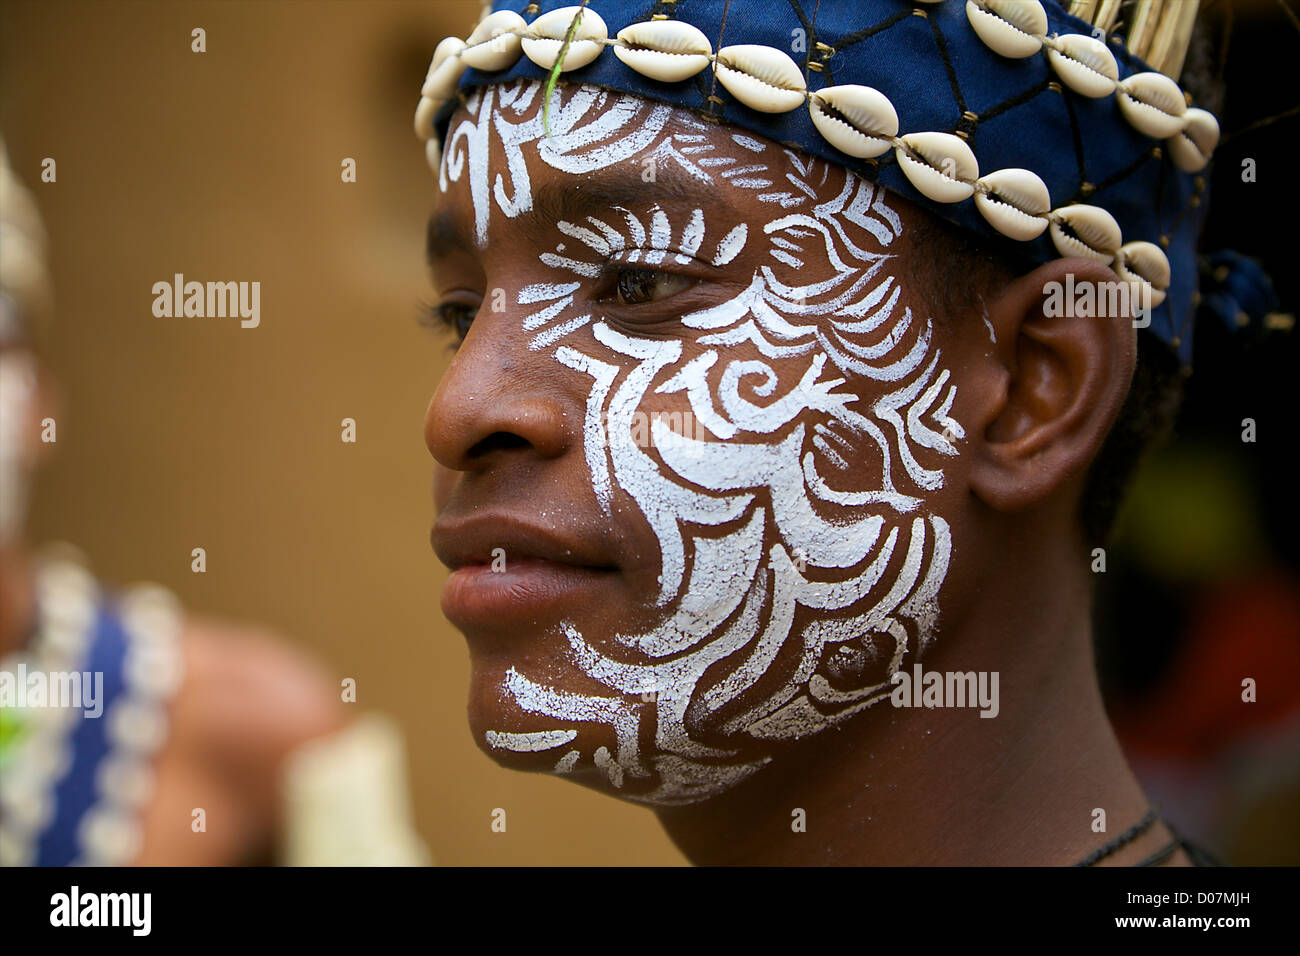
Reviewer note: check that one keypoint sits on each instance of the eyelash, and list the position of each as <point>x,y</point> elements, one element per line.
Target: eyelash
<point>437,318</point>
<point>445,316</point>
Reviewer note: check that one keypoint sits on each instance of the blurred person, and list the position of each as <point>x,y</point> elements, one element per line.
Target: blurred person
<point>766,409</point>
<point>134,733</point>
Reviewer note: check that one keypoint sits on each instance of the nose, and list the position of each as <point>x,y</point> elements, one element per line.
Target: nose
<point>494,402</point>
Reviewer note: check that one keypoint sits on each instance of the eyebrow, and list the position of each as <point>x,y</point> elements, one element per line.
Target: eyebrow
<point>564,199</point>
<point>444,235</point>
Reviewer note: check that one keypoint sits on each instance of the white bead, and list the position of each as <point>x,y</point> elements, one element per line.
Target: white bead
<point>1190,149</point>
<point>1015,202</point>
<point>441,82</point>
<point>15,846</point>
<point>47,755</point>
<point>762,78</point>
<point>26,799</point>
<point>137,725</point>
<point>424,114</point>
<point>1096,234</point>
<point>1153,104</point>
<point>156,670</point>
<point>109,836</point>
<point>126,779</point>
<point>857,120</point>
<point>1084,64</point>
<point>1014,28</point>
<point>495,44</point>
<point>546,37</point>
<point>666,50</point>
<point>153,600</point>
<point>949,168</point>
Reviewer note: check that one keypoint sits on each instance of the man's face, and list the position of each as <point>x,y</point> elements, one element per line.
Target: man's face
<point>691,450</point>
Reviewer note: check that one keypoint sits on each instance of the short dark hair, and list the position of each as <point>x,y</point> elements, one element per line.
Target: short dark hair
<point>958,271</point>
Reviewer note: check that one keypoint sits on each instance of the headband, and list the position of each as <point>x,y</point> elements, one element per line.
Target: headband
<point>1012,119</point>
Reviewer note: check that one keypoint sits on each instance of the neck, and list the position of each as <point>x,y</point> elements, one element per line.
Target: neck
<point>943,786</point>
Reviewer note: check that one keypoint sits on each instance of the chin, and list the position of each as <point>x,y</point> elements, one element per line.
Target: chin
<point>606,743</point>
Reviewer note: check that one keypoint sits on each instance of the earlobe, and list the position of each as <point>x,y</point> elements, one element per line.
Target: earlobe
<point>1058,375</point>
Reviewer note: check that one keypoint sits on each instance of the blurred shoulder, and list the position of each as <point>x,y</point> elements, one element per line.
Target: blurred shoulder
<point>251,695</point>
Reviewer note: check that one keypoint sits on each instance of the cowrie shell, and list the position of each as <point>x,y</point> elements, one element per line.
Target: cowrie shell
<point>1153,104</point>
<point>857,120</point>
<point>1096,233</point>
<point>1084,64</point>
<point>1015,202</point>
<point>666,50</point>
<point>1147,263</point>
<point>762,78</point>
<point>1190,148</point>
<point>433,154</point>
<point>495,44</point>
<point>447,47</point>
<point>546,36</point>
<point>424,114</point>
<point>947,161</point>
<point>1014,28</point>
<point>445,71</point>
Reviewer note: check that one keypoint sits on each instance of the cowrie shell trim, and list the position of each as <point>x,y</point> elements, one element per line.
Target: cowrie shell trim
<point>666,50</point>
<point>857,120</point>
<point>424,114</point>
<point>1153,104</point>
<point>1144,262</point>
<point>762,78</point>
<point>1013,28</point>
<point>946,169</point>
<point>1094,233</point>
<point>445,71</point>
<point>495,43</point>
<point>1015,202</point>
<point>1084,64</point>
<point>545,38</point>
<point>861,122</point>
<point>1191,147</point>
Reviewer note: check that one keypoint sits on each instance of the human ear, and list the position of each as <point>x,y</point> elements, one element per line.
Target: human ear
<point>1050,388</point>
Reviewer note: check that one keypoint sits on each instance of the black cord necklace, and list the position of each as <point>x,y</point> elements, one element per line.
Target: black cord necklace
<point>1127,837</point>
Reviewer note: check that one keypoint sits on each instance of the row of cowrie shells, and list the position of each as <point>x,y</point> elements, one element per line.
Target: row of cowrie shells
<point>1017,204</point>
<point>859,120</point>
<point>1152,103</point>
<point>768,80</point>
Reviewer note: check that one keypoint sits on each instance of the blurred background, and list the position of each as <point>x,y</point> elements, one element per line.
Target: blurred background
<point>1202,589</point>
<point>182,433</point>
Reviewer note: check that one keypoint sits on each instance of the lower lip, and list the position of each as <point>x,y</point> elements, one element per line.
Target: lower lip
<point>476,595</point>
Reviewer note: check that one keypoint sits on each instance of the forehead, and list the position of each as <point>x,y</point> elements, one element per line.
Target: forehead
<point>509,155</point>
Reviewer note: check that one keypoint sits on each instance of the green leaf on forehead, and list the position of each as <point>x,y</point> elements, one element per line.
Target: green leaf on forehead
<point>555,70</point>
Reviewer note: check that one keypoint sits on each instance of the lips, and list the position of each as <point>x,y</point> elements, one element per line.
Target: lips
<point>507,570</point>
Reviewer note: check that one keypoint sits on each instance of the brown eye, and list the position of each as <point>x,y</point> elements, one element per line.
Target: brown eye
<point>456,316</point>
<point>639,286</point>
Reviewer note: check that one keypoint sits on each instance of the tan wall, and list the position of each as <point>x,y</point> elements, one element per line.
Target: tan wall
<point>184,433</point>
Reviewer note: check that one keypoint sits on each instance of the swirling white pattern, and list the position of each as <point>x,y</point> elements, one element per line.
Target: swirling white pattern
<point>853,578</point>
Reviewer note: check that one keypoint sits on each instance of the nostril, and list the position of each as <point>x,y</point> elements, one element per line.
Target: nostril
<point>497,441</point>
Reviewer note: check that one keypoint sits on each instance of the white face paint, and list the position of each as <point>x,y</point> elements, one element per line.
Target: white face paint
<point>754,642</point>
